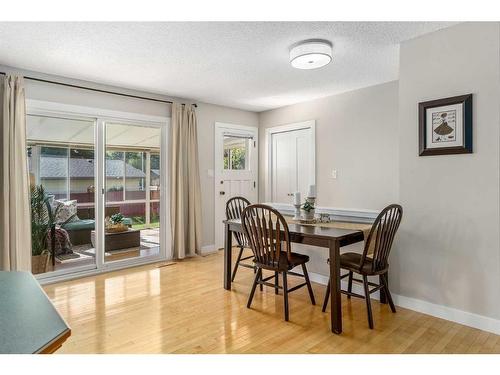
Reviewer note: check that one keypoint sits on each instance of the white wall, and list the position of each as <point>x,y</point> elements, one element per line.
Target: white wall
<point>448,252</point>
<point>356,134</point>
<point>207,115</point>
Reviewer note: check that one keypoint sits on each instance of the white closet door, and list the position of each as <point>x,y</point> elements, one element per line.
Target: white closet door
<point>293,169</point>
<point>304,160</point>
<point>283,176</point>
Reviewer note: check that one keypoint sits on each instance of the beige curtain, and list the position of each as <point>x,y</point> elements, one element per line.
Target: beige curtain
<point>185,197</point>
<point>15,228</point>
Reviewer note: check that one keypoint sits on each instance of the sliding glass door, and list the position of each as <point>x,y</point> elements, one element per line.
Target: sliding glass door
<point>61,163</point>
<point>132,185</point>
<point>96,191</point>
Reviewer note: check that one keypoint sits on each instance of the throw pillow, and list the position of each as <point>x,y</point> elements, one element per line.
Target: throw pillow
<point>67,212</point>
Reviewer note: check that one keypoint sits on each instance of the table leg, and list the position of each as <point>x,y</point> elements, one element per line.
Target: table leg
<point>228,241</point>
<point>383,296</point>
<point>335,295</point>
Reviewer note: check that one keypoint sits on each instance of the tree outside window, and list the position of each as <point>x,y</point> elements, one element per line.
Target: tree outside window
<point>235,152</point>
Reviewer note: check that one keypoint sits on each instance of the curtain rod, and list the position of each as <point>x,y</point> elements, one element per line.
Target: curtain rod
<point>99,90</point>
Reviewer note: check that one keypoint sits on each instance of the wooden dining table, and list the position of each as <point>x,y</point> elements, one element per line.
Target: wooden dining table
<point>330,238</point>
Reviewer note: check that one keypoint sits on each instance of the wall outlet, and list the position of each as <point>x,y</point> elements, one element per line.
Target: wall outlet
<point>334,174</point>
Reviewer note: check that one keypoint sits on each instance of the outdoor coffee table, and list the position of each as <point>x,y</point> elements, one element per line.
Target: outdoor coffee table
<point>120,240</point>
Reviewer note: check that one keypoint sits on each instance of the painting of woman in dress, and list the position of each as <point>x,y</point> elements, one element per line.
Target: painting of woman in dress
<point>443,124</point>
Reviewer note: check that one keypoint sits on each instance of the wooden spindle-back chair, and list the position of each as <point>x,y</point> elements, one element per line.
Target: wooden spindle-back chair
<point>268,236</point>
<point>234,208</point>
<point>374,259</point>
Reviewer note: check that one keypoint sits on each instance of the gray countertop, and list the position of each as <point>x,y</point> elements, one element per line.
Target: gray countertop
<point>29,323</point>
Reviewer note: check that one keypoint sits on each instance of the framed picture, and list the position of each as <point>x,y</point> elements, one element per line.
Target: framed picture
<point>445,126</point>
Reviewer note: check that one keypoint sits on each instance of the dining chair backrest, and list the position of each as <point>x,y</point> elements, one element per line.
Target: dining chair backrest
<point>267,233</point>
<point>234,208</point>
<point>382,232</point>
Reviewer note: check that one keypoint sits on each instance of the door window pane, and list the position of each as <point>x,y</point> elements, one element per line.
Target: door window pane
<point>235,152</point>
<point>155,214</point>
<point>54,171</point>
<point>135,175</point>
<point>82,172</point>
<point>115,165</point>
<point>154,177</point>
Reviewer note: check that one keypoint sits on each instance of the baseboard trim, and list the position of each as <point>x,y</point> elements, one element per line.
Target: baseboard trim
<point>448,313</point>
<point>208,249</point>
<point>439,311</point>
<point>317,278</point>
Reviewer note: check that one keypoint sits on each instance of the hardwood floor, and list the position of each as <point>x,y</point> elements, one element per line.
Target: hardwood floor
<point>182,308</point>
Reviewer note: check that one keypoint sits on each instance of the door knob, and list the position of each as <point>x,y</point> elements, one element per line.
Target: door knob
<point>222,192</point>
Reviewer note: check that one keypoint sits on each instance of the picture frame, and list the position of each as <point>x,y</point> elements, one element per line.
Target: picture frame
<point>445,126</point>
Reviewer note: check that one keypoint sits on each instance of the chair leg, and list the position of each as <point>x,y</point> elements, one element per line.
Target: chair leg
<point>327,296</point>
<point>388,294</point>
<point>308,282</point>
<point>349,285</point>
<point>276,283</point>
<point>257,277</point>
<point>261,287</point>
<point>285,295</point>
<point>237,264</point>
<point>368,302</point>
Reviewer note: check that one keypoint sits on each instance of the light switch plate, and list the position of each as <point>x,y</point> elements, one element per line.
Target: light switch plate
<point>334,174</point>
<point>210,173</point>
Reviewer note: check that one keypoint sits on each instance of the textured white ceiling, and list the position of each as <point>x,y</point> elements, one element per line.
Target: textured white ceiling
<point>237,64</point>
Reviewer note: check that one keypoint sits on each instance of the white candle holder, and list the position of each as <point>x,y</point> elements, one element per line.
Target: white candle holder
<point>297,212</point>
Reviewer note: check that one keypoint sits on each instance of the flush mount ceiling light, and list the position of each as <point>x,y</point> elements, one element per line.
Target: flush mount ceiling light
<point>311,54</point>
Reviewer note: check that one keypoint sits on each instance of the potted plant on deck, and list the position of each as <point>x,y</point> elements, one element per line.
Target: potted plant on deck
<point>42,220</point>
<point>115,224</point>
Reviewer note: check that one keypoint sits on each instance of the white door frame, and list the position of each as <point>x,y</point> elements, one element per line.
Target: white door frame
<point>236,127</point>
<point>100,117</point>
<point>310,124</point>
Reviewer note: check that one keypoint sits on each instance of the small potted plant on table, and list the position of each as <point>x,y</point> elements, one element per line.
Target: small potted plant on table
<point>308,210</point>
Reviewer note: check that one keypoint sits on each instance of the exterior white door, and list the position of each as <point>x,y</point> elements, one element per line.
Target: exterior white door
<point>292,161</point>
<point>236,169</point>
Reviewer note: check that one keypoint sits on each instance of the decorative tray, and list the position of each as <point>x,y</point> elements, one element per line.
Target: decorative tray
<point>307,221</point>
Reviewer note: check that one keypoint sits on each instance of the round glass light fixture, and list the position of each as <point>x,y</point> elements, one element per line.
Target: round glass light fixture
<point>311,54</point>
